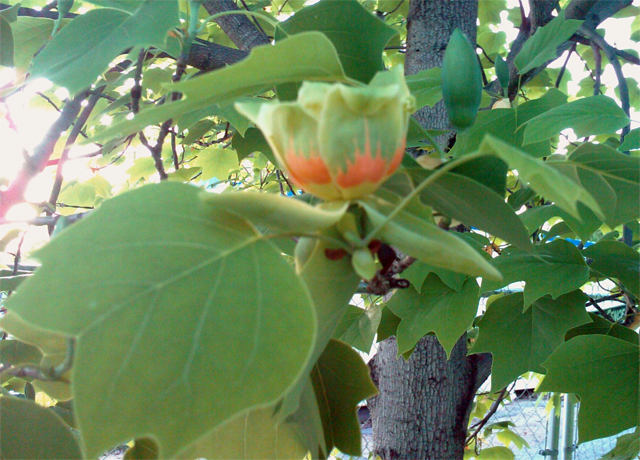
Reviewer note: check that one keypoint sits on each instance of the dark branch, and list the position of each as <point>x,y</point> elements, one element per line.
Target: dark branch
<point>238,27</point>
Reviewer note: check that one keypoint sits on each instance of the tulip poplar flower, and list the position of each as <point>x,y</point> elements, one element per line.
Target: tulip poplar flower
<point>338,142</point>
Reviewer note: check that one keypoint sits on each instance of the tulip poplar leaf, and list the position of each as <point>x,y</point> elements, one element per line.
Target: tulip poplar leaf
<point>359,37</point>
<point>436,308</point>
<point>554,268</point>
<point>601,326</point>
<point>542,47</point>
<point>613,370</point>
<point>75,64</point>
<point>197,296</point>
<point>305,56</point>
<point>544,179</point>
<point>587,117</point>
<point>31,431</point>
<point>611,178</point>
<point>359,326</point>
<point>426,242</point>
<point>275,212</point>
<point>521,340</point>
<point>614,259</point>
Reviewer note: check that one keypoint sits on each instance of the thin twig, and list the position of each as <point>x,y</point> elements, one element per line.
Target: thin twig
<point>564,66</point>
<point>492,410</point>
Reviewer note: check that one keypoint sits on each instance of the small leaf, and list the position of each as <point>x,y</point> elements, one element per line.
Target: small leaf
<point>31,431</point>
<point>593,365</point>
<point>436,308</point>
<point>542,47</point>
<point>520,341</point>
<point>631,141</point>
<point>76,63</point>
<point>496,453</point>
<point>388,324</point>
<point>216,162</point>
<point>601,326</point>
<point>587,117</point>
<point>252,141</point>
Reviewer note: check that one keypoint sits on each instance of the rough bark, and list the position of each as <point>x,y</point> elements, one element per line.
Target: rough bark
<point>238,27</point>
<point>423,408</point>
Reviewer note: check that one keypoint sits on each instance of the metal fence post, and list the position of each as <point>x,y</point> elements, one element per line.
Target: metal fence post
<point>568,414</point>
<point>553,430</point>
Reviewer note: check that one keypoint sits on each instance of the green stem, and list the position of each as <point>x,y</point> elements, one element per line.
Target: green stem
<point>424,184</point>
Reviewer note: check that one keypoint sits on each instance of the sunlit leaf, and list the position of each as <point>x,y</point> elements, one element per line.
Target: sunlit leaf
<point>155,261</point>
<point>76,63</point>
<point>359,326</point>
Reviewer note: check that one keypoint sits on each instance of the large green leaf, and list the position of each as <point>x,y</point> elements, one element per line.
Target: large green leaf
<point>611,177</point>
<point>252,141</point>
<point>474,204</point>
<point>426,242</point>
<point>521,340</point>
<point>504,123</point>
<point>436,308</point>
<point>341,380</point>
<point>359,37</point>
<point>151,265</point>
<point>276,212</point>
<point>77,54</point>
<point>418,272</point>
<point>614,259</point>
<point>587,116</point>
<point>542,47</point>
<point>631,141</point>
<point>592,366</point>
<point>545,180</point>
<point>359,326</point>
<point>31,431</point>
<point>305,56</point>
<point>555,268</point>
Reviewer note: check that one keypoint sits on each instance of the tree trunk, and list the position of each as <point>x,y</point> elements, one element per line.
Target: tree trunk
<point>423,408</point>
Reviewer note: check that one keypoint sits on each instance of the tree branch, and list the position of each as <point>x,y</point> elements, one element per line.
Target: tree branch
<point>35,164</point>
<point>238,27</point>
